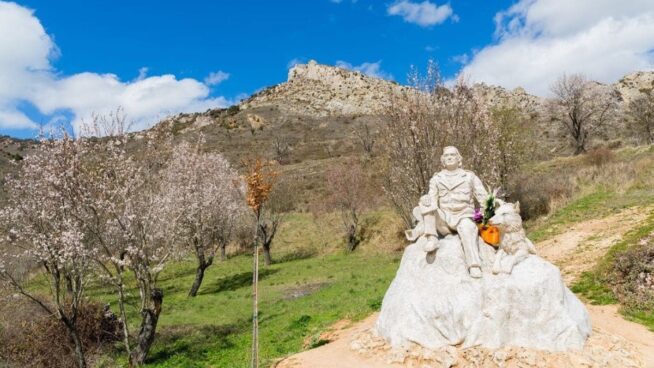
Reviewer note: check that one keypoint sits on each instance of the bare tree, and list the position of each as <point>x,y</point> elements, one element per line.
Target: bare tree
<point>581,107</point>
<point>641,113</point>
<point>423,120</point>
<point>350,193</point>
<point>282,150</point>
<point>366,138</point>
<point>515,142</point>
<point>273,214</point>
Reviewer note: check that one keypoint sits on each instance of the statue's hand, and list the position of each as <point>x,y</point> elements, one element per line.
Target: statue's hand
<point>425,201</point>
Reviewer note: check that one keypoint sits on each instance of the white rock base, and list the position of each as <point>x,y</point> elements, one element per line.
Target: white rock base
<point>439,304</point>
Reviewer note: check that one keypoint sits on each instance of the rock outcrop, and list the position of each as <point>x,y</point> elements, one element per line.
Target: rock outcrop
<point>633,84</point>
<point>320,90</point>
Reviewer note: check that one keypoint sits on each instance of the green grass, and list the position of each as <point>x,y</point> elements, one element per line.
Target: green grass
<point>592,288</point>
<point>624,182</point>
<point>298,300</point>
<point>593,285</point>
<point>644,317</point>
<point>598,196</point>
<point>590,206</point>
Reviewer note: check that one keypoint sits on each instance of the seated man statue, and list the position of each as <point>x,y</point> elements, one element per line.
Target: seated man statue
<point>449,207</point>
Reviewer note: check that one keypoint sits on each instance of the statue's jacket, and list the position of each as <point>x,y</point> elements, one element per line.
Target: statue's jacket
<point>452,194</point>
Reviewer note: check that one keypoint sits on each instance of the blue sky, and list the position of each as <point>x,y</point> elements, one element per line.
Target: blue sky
<point>65,60</point>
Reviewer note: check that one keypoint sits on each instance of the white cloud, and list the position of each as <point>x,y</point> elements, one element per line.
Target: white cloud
<point>461,59</point>
<point>424,14</point>
<point>143,72</point>
<point>28,77</point>
<point>369,69</point>
<point>538,40</point>
<point>215,78</point>
<point>295,61</point>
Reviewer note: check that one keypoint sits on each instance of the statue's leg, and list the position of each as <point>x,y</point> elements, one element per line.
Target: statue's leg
<point>469,235</point>
<point>430,232</point>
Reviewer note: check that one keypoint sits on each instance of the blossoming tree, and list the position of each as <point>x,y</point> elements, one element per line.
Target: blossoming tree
<point>45,228</point>
<point>206,195</point>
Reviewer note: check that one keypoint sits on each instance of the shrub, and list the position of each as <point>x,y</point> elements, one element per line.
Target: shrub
<point>598,156</point>
<point>632,276</point>
<point>33,338</point>
<point>536,192</point>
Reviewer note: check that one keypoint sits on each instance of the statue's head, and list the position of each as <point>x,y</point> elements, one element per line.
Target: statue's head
<point>451,158</point>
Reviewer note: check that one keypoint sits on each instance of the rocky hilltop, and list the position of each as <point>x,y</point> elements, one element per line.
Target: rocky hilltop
<point>318,91</point>
<point>633,84</point>
<point>321,90</point>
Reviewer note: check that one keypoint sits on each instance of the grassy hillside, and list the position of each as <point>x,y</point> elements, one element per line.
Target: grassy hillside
<point>315,283</point>
<point>299,299</point>
<point>302,297</point>
<point>626,180</point>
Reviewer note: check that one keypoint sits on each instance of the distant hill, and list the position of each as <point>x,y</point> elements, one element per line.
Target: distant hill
<point>311,120</point>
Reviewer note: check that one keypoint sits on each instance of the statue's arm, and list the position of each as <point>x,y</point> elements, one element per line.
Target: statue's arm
<point>479,190</point>
<point>428,207</point>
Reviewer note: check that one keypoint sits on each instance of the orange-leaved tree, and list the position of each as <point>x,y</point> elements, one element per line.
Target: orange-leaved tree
<point>260,179</point>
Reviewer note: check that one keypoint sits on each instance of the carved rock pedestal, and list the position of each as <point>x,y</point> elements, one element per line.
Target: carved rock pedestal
<point>439,304</point>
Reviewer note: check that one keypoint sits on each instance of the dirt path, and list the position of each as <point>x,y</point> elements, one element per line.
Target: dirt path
<point>578,249</point>
<point>574,251</point>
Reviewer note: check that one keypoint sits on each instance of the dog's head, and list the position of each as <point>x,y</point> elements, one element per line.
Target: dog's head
<point>507,217</point>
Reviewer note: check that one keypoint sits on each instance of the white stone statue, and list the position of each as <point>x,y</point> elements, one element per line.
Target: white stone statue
<point>514,245</point>
<point>449,207</point>
<point>464,292</point>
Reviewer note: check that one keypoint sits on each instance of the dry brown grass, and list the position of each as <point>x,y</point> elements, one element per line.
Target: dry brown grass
<point>31,338</point>
<point>551,185</point>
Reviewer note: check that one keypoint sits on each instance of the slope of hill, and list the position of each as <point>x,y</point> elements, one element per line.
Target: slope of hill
<point>313,119</point>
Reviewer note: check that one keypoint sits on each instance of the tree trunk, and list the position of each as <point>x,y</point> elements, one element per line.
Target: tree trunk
<point>352,240</point>
<point>203,263</point>
<point>79,349</point>
<point>579,150</point>
<point>199,276</point>
<point>123,316</point>
<point>150,317</point>
<point>223,252</point>
<point>267,258</point>
<point>69,284</point>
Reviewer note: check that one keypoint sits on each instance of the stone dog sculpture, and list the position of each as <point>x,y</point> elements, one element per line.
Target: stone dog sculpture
<point>514,246</point>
